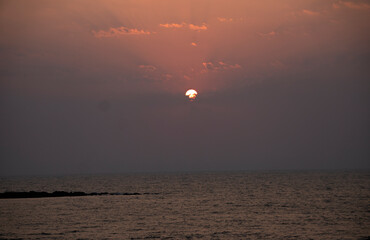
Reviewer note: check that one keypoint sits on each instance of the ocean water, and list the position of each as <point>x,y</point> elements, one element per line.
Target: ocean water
<point>235,205</point>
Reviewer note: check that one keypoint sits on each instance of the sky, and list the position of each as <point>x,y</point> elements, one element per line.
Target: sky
<point>99,86</point>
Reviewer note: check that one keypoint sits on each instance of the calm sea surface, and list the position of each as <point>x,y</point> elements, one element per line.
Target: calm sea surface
<point>254,205</point>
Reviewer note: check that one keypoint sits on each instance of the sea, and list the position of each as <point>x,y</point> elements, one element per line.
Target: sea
<point>192,205</point>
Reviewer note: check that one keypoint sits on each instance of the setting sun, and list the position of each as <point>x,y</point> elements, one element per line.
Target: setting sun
<point>191,94</point>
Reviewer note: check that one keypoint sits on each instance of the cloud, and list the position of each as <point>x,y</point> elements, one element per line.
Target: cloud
<point>184,25</point>
<point>222,19</point>
<point>198,28</point>
<point>167,77</point>
<point>173,25</point>
<point>352,5</point>
<point>208,65</point>
<point>153,73</point>
<point>310,13</point>
<point>115,32</point>
<point>215,66</point>
<point>270,34</point>
<point>148,68</point>
<point>336,5</point>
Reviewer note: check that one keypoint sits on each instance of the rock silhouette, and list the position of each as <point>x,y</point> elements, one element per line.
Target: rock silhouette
<point>33,194</point>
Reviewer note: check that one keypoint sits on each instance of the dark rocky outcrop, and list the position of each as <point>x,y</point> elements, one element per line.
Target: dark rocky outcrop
<point>33,194</point>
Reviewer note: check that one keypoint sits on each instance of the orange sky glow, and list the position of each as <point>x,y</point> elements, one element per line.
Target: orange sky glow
<point>154,46</point>
<point>94,86</point>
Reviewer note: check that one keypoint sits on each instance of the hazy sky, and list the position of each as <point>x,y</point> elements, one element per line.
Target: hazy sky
<point>98,86</point>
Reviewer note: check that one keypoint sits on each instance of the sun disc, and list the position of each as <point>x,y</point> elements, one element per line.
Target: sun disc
<point>191,94</point>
